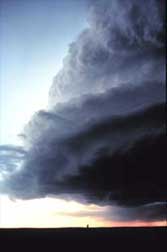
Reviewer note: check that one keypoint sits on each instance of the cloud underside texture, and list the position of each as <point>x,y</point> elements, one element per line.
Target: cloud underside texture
<point>103,138</point>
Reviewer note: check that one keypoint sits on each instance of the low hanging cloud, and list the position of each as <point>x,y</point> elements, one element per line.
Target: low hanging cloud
<point>102,140</point>
<point>149,213</point>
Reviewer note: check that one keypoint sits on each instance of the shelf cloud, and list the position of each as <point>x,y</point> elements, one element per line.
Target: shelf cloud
<point>102,138</point>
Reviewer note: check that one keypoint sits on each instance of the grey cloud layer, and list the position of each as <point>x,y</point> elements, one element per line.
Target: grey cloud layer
<point>102,139</point>
<point>150,212</point>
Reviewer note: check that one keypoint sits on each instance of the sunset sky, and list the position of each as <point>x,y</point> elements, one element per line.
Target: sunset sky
<point>82,94</point>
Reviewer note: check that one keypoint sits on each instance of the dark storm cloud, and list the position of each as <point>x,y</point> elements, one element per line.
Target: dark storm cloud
<point>69,118</point>
<point>128,177</point>
<point>99,162</point>
<point>148,212</point>
<point>122,39</point>
<point>102,139</point>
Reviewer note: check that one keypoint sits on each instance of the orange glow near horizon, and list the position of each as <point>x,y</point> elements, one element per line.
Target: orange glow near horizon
<point>51,212</point>
<point>139,224</point>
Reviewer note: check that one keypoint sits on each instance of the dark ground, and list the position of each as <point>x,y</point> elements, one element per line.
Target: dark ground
<point>83,239</point>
